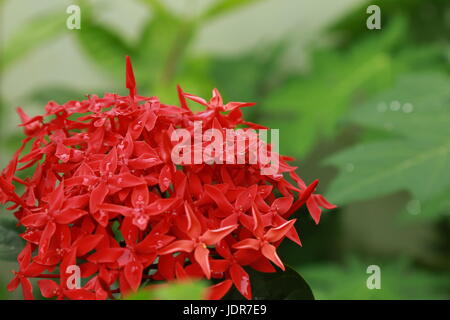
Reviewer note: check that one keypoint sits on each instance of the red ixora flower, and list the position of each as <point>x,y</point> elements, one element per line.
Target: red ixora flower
<point>106,196</point>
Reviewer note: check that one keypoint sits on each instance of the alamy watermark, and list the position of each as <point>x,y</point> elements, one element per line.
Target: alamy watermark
<point>373,22</point>
<point>374,280</point>
<point>235,146</point>
<point>74,20</point>
<point>74,280</point>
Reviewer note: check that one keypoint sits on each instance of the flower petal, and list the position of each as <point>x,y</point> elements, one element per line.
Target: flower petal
<point>201,255</point>
<point>269,251</point>
<point>212,237</point>
<point>98,195</point>
<point>247,244</point>
<point>48,288</point>
<point>241,280</point>
<point>275,234</point>
<point>177,246</point>
<point>219,290</point>
<point>133,274</point>
<point>69,216</point>
<point>106,255</point>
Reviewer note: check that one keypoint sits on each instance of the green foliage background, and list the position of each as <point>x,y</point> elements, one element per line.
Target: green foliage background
<point>365,111</point>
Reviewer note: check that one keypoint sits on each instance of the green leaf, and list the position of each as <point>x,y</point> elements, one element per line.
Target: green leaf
<point>193,77</point>
<point>172,291</point>
<point>417,110</point>
<point>161,49</point>
<point>281,285</point>
<point>399,280</point>
<point>434,208</point>
<point>4,294</point>
<point>415,102</point>
<point>10,242</point>
<point>257,72</point>
<point>58,94</point>
<point>157,6</point>
<point>310,107</point>
<point>31,35</point>
<point>425,28</point>
<point>221,7</point>
<point>106,48</point>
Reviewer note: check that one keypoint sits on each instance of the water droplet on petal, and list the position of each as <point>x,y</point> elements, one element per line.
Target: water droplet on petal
<point>140,221</point>
<point>245,281</point>
<point>64,157</point>
<point>99,122</point>
<point>137,126</point>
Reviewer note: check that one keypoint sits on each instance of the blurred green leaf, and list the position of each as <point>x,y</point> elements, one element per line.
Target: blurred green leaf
<point>257,72</point>
<point>417,101</point>
<point>427,20</point>
<point>399,280</point>
<point>281,285</point>
<point>311,107</point>
<point>58,94</point>
<point>433,209</point>
<point>161,48</point>
<point>172,291</point>
<point>417,109</point>
<point>4,295</point>
<point>31,35</point>
<point>193,76</point>
<point>105,47</point>
<point>10,242</point>
<point>2,133</point>
<point>221,7</point>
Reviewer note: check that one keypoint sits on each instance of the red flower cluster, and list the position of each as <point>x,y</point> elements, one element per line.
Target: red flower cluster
<point>106,196</point>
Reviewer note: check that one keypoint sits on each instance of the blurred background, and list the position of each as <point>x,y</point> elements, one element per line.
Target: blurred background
<point>365,111</point>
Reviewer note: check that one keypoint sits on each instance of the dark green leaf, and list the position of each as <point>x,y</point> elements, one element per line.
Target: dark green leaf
<point>256,72</point>
<point>310,107</point>
<point>417,111</point>
<point>10,242</point>
<point>287,285</point>
<point>433,209</point>
<point>413,103</point>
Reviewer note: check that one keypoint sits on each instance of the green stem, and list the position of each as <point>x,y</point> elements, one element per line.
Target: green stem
<point>179,47</point>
